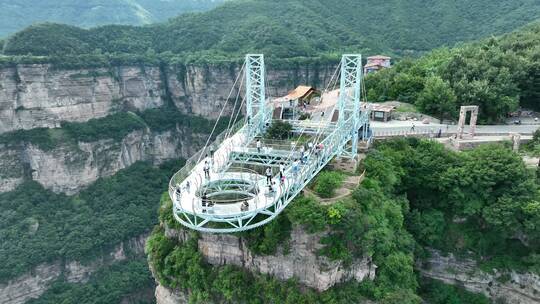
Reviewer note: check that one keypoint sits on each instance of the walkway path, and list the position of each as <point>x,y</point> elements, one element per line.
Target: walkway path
<point>346,189</point>
<point>396,127</point>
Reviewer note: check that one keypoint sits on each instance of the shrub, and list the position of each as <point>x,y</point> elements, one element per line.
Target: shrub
<point>279,130</point>
<point>439,293</point>
<point>306,211</point>
<point>327,182</point>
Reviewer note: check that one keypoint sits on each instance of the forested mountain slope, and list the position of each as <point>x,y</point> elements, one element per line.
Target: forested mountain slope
<point>499,74</point>
<point>18,14</point>
<point>289,28</point>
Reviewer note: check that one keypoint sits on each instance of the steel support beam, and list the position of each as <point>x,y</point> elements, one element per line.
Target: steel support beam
<point>255,93</point>
<point>349,97</point>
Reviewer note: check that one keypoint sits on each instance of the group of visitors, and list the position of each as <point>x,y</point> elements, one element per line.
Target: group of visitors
<point>178,190</point>
<point>304,152</point>
<point>431,132</point>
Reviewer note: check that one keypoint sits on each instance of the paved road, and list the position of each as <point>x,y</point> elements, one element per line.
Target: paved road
<point>397,127</point>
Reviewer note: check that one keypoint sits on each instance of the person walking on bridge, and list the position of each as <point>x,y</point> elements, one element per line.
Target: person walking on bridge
<point>269,175</point>
<point>178,192</point>
<point>212,152</point>
<point>206,169</point>
<point>204,202</point>
<point>295,167</point>
<point>259,145</point>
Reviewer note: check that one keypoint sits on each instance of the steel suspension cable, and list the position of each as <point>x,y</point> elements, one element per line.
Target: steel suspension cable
<point>219,117</point>
<point>319,130</point>
<point>229,126</point>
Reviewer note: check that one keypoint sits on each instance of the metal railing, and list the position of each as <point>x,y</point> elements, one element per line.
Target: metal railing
<point>188,169</point>
<point>418,132</point>
<point>193,161</point>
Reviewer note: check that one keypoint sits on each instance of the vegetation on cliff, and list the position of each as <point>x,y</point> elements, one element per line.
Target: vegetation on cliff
<point>112,127</point>
<point>181,266</point>
<point>416,194</point>
<point>39,226</point>
<point>370,224</point>
<point>483,201</point>
<point>497,74</point>
<point>110,284</point>
<point>281,29</point>
<point>436,292</point>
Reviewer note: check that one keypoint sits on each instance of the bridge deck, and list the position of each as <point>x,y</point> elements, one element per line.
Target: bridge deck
<point>188,205</point>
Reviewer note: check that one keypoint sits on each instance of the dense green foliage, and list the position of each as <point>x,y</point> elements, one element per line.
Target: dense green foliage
<point>39,226</point>
<point>163,119</point>
<point>308,213</point>
<point>110,284</point>
<point>279,130</point>
<point>437,97</point>
<point>17,14</point>
<point>327,182</point>
<point>266,239</point>
<point>115,126</point>
<point>532,147</point>
<point>281,29</point>
<point>483,201</point>
<point>435,292</point>
<point>498,74</point>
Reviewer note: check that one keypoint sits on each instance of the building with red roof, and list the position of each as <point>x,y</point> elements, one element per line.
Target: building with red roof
<point>376,63</point>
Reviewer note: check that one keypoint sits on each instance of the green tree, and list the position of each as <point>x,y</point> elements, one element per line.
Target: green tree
<point>437,98</point>
<point>279,130</point>
<point>327,183</point>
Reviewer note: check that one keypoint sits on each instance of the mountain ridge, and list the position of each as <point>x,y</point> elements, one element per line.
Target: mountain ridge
<point>288,29</point>
<point>18,14</point>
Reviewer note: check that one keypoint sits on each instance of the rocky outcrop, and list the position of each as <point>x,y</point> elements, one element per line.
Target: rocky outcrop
<point>39,95</point>
<point>166,295</point>
<point>512,287</point>
<point>301,262</point>
<point>68,168</point>
<point>36,282</point>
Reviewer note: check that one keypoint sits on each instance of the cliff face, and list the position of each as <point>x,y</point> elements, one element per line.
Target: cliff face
<point>301,262</point>
<point>37,281</point>
<point>69,168</point>
<point>513,287</point>
<point>39,95</point>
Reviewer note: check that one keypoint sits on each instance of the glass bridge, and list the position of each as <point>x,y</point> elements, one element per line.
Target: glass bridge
<point>236,183</point>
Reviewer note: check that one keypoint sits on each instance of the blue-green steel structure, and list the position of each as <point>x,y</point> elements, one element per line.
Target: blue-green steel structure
<point>225,193</point>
